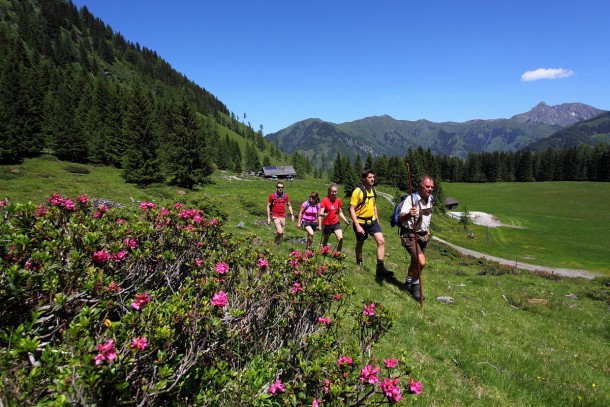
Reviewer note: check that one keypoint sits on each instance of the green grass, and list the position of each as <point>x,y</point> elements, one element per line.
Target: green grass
<point>510,338</point>
<point>560,224</point>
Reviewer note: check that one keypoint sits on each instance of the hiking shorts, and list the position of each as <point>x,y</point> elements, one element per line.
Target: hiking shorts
<point>370,228</point>
<point>279,223</point>
<point>313,225</point>
<point>408,239</point>
<point>328,229</point>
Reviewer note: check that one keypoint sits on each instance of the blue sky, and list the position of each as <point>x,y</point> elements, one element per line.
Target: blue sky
<point>280,62</point>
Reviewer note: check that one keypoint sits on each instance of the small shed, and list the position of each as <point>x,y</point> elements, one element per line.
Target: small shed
<point>451,203</point>
<point>279,172</point>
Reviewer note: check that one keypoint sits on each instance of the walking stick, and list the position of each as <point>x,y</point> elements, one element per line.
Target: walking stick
<point>421,297</point>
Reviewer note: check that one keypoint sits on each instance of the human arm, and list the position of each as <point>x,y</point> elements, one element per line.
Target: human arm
<point>269,210</point>
<point>357,227</point>
<point>342,216</point>
<point>300,216</point>
<point>321,216</point>
<point>290,209</point>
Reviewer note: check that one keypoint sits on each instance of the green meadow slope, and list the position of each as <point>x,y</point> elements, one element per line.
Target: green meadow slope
<point>508,338</point>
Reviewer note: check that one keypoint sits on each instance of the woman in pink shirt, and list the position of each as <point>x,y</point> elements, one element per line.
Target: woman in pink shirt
<point>308,217</point>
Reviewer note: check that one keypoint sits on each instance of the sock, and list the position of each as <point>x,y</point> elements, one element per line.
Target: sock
<point>415,282</point>
<point>379,262</point>
<point>409,279</point>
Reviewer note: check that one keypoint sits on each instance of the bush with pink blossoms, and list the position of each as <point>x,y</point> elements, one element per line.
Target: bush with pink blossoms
<point>157,304</point>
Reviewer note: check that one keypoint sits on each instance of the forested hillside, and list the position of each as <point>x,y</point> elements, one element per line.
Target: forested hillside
<point>72,86</point>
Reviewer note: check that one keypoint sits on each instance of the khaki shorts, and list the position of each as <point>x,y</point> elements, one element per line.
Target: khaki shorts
<point>407,239</point>
<point>279,224</point>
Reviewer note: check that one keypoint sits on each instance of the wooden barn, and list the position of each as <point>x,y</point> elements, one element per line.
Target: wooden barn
<point>279,172</point>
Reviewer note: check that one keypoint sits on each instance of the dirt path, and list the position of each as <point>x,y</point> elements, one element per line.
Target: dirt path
<point>523,266</point>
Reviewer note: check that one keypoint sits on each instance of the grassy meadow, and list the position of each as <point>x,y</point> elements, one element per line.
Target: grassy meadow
<point>557,224</point>
<point>509,338</point>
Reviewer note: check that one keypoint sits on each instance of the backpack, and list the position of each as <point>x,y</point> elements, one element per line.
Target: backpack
<point>397,209</point>
<point>275,196</point>
<point>365,196</point>
<point>317,206</point>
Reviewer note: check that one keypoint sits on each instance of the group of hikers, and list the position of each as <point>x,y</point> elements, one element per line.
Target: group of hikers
<point>414,215</point>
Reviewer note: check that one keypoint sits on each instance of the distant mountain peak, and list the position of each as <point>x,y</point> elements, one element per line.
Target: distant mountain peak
<point>562,115</point>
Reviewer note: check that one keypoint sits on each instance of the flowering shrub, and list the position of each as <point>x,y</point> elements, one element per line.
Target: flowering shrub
<point>157,305</point>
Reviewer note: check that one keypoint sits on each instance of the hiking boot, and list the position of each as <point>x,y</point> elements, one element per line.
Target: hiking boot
<point>408,286</point>
<point>382,271</point>
<point>415,292</point>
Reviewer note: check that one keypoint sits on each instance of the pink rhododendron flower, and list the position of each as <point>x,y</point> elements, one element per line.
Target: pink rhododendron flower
<point>414,387</point>
<point>326,387</point>
<point>163,211</point>
<point>139,343</point>
<point>60,202</point>
<point>198,262</point>
<point>367,374</point>
<point>262,263</point>
<point>296,288</point>
<point>315,403</point>
<point>324,250</point>
<point>390,363</point>
<point>120,221</point>
<point>40,211</point>
<point>97,215</point>
<point>82,198</point>
<point>219,299</point>
<point>296,254</point>
<point>118,256</point>
<point>130,243</point>
<point>146,205</point>
<point>391,389</point>
<point>344,361</point>
<point>140,300</point>
<point>221,268</point>
<point>338,296</point>
<point>3,203</point>
<point>113,286</point>
<point>102,208</point>
<point>324,320</point>
<point>336,254</point>
<point>106,352</point>
<point>369,310</point>
<point>177,205</point>
<point>294,263</point>
<point>276,387</point>
<point>100,256</point>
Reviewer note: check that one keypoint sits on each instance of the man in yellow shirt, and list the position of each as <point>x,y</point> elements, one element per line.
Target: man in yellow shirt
<point>363,211</point>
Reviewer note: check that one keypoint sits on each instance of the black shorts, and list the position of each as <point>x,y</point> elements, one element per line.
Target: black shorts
<point>328,229</point>
<point>314,225</point>
<point>370,228</point>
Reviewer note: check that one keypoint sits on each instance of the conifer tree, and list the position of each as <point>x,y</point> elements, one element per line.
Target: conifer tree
<point>141,164</point>
<point>187,161</point>
<point>59,121</point>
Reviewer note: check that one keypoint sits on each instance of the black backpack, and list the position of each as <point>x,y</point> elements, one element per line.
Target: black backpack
<point>365,196</point>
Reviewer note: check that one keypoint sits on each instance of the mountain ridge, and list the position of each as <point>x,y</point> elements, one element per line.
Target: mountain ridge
<point>379,135</point>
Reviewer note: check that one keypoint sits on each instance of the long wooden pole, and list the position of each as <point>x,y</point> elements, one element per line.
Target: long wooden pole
<point>421,297</point>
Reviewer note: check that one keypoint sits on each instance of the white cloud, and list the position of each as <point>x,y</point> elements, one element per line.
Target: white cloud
<point>546,73</point>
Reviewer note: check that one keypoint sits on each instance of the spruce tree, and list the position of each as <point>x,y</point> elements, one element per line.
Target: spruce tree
<point>141,164</point>
<point>187,161</point>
